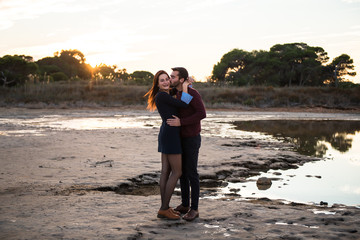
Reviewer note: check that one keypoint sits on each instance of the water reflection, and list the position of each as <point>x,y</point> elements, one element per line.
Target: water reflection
<point>310,137</point>
<point>337,142</point>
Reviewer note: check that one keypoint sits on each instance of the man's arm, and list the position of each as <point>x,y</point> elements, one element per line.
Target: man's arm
<point>174,122</point>
<point>196,117</point>
<point>199,113</point>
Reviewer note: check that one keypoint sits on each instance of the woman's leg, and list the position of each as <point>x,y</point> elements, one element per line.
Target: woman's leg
<point>165,172</point>
<point>174,161</point>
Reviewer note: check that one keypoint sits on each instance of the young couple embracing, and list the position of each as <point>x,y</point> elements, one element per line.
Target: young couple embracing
<point>181,109</point>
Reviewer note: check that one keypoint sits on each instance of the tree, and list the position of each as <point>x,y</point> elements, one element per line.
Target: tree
<point>70,62</point>
<point>59,76</point>
<point>227,70</point>
<point>340,66</point>
<point>71,54</point>
<point>300,64</point>
<point>16,69</point>
<point>104,71</point>
<point>263,68</point>
<point>284,65</point>
<point>122,75</point>
<point>142,77</point>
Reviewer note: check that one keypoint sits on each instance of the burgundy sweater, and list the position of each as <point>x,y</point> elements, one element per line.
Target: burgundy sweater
<point>191,116</point>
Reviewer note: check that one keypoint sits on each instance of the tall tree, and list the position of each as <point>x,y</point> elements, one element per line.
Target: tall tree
<point>76,54</point>
<point>142,77</point>
<point>284,65</point>
<point>230,67</point>
<point>16,69</point>
<point>103,71</point>
<point>122,75</point>
<point>263,68</point>
<point>340,67</point>
<point>70,62</point>
<point>300,63</point>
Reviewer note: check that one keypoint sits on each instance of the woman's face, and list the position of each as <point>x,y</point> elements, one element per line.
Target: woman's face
<point>164,82</point>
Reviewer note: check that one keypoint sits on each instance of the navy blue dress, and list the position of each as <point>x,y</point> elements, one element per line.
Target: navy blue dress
<point>169,137</point>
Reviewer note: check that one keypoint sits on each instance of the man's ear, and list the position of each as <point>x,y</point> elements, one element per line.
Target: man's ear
<point>182,80</point>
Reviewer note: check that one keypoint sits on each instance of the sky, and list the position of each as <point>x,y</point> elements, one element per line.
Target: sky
<point>160,34</point>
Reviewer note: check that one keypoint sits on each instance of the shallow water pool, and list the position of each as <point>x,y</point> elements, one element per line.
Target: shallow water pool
<point>334,179</point>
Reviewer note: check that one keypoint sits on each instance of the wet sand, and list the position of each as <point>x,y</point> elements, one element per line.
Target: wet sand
<point>102,184</point>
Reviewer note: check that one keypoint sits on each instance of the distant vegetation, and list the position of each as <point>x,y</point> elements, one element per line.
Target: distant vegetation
<point>68,65</point>
<point>293,64</point>
<point>289,75</point>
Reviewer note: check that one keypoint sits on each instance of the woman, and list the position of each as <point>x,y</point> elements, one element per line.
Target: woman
<point>169,143</point>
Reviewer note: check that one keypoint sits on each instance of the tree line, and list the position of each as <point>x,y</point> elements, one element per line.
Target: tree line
<point>67,65</point>
<point>291,64</point>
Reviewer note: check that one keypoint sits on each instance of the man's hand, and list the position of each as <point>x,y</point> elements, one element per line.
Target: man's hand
<point>191,80</point>
<point>174,122</point>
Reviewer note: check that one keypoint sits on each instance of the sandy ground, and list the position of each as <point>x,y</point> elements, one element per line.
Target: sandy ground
<point>79,185</point>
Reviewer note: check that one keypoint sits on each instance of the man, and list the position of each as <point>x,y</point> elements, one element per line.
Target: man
<point>189,121</point>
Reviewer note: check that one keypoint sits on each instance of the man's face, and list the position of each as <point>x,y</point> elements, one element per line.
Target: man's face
<point>174,79</point>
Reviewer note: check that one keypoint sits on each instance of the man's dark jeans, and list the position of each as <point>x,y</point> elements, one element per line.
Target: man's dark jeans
<point>190,176</point>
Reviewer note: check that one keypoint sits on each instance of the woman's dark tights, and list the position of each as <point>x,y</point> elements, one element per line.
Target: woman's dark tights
<point>170,173</point>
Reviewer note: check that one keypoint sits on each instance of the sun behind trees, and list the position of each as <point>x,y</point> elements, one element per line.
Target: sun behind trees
<point>292,64</point>
<point>63,66</point>
<point>67,65</point>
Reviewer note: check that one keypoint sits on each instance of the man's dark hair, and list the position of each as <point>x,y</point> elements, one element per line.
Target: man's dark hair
<point>183,73</point>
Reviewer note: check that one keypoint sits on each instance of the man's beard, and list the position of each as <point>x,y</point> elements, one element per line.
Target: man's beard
<point>174,85</point>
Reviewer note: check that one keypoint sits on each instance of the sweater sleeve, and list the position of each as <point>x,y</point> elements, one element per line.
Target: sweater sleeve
<point>185,97</point>
<point>199,113</point>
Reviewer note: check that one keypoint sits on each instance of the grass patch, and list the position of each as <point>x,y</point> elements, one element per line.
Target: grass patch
<point>86,93</point>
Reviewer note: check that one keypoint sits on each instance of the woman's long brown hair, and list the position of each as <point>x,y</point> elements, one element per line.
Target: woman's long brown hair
<point>153,91</point>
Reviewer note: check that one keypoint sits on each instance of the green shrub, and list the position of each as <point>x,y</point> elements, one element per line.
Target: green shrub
<point>59,76</point>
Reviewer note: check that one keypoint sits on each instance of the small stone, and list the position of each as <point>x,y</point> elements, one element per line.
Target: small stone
<point>263,183</point>
<point>234,190</point>
<point>323,203</point>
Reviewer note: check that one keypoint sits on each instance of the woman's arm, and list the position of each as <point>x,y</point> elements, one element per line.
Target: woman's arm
<point>165,98</point>
<point>185,96</point>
